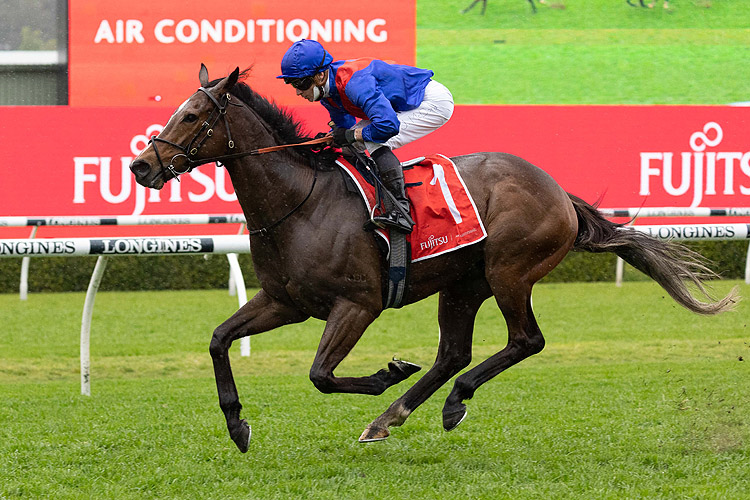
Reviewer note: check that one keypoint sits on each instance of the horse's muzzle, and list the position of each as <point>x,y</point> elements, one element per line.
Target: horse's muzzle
<point>142,171</point>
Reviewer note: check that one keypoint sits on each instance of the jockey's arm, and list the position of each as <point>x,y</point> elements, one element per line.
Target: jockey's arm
<point>338,117</point>
<point>384,123</point>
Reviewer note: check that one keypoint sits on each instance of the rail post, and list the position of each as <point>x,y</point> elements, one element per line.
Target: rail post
<point>23,286</point>
<point>88,311</point>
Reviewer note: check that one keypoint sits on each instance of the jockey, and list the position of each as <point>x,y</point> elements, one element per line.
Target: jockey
<point>395,104</point>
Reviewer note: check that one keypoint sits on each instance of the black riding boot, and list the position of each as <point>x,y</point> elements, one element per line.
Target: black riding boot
<point>392,176</point>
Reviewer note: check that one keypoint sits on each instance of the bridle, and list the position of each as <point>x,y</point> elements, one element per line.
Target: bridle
<point>189,151</point>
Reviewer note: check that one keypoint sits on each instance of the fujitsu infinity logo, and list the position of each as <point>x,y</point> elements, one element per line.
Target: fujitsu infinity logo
<point>139,142</point>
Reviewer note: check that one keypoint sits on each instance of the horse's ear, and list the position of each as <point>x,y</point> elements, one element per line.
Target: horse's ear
<point>232,79</point>
<point>203,75</point>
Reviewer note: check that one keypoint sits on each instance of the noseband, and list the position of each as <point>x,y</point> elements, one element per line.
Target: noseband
<point>191,149</point>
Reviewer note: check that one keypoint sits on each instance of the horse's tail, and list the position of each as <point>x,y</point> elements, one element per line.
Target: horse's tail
<point>670,264</point>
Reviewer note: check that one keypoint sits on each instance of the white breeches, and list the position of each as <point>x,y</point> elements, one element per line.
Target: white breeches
<point>435,110</point>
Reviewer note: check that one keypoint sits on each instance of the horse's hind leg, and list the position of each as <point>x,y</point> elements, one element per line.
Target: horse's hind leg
<point>524,340</point>
<point>458,308</point>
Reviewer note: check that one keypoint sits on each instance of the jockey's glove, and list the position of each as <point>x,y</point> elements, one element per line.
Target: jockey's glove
<point>343,136</point>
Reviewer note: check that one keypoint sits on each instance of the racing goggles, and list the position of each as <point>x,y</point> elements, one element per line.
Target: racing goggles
<point>306,82</point>
<point>303,83</point>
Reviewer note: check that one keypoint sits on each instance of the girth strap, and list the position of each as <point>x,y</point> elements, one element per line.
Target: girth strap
<point>398,270</point>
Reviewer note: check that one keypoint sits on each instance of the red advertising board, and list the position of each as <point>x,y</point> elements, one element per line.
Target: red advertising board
<point>66,161</point>
<point>143,53</point>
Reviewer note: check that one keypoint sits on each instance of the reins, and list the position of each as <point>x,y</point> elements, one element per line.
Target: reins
<point>259,151</point>
<point>264,230</point>
<point>256,152</point>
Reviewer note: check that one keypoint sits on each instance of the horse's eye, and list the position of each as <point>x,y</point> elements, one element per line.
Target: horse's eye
<point>190,118</point>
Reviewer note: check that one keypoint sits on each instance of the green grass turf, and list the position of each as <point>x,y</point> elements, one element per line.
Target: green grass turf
<point>591,52</point>
<point>632,398</point>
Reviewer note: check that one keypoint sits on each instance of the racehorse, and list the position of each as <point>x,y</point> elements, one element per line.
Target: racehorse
<point>313,259</point>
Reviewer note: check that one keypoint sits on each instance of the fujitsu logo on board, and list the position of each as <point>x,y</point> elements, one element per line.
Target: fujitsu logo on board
<point>705,170</point>
<point>108,179</point>
<point>187,31</point>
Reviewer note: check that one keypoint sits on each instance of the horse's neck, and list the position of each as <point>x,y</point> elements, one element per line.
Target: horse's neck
<point>270,185</point>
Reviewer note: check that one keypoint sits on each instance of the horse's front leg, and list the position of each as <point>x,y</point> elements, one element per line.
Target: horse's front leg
<point>345,325</point>
<point>260,314</point>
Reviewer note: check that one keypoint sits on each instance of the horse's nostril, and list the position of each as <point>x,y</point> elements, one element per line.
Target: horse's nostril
<point>140,168</point>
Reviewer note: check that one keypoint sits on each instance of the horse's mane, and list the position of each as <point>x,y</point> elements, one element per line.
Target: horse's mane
<point>286,128</point>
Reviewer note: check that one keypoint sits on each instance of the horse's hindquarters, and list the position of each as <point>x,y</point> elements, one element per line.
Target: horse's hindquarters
<point>531,224</point>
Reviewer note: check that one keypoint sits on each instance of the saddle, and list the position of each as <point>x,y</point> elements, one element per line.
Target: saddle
<point>443,211</point>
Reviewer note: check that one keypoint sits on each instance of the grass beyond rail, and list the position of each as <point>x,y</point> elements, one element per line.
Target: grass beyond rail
<point>632,398</point>
<point>590,52</point>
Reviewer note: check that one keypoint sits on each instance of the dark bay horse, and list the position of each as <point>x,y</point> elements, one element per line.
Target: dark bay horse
<point>313,258</point>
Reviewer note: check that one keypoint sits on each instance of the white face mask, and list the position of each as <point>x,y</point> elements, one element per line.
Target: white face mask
<point>317,93</point>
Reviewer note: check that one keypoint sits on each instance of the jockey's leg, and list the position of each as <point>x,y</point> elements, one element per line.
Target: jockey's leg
<point>434,111</point>
<point>436,108</point>
<point>389,168</point>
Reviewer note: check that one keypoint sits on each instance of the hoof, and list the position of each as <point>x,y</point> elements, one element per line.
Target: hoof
<point>451,419</point>
<point>374,434</point>
<point>403,368</point>
<point>241,435</point>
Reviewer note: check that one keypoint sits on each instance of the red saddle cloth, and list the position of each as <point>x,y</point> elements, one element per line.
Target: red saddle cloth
<point>444,213</point>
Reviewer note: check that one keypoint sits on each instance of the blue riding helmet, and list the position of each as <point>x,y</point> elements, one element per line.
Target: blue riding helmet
<point>304,58</point>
